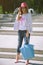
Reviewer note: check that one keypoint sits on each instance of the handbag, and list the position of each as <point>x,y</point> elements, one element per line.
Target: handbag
<point>27,51</point>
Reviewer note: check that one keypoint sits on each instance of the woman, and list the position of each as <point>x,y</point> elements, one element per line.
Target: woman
<point>24,28</point>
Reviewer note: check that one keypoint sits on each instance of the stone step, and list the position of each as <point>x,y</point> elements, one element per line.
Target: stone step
<point>12,20</point>
<point>4,21</point>
<point>13,50</point>
<point>7,24</point>
<point>37,25</point>
<point>12,32</point>
<point>5,61</point>
<point>34,29</point>
<point>12,24</point>
<point>37,57</point>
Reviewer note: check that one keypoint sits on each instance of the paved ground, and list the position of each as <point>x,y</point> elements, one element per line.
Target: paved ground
<point>22,62</point>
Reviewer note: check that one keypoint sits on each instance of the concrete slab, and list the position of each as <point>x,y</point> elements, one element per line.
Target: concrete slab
<point>21,62</point>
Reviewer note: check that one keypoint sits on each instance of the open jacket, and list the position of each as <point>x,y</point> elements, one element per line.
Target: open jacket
<point>27,21</point>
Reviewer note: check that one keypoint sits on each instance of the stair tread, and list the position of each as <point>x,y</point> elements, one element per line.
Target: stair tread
<point>10,53</point>
<point>21,62</point>
<point>14,56</point>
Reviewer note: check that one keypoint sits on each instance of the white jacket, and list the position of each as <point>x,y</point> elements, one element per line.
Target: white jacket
<point>26,23</point>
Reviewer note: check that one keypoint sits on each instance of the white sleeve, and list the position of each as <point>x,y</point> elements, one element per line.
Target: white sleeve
<point>16,16</point>
<point>29,23</point>
<point>16,24</point>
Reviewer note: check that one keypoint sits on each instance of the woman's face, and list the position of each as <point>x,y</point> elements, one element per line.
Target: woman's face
<point>24,10</point>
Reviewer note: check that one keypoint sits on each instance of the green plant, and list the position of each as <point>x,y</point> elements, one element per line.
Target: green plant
<point>1,12</point>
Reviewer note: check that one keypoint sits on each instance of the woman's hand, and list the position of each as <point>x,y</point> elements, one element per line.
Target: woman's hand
<point>19,16</point>
<point>27,33</point>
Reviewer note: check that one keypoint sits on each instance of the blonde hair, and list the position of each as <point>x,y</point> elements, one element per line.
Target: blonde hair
<point>26,9</point>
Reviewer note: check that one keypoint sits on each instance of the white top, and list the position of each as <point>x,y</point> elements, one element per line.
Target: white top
<point>25,23</point>
<point>22,23</point>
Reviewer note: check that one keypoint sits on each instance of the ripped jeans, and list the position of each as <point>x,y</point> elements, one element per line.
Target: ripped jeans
<point>21,35</point>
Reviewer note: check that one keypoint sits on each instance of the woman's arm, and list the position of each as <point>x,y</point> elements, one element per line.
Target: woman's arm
<point>29,25</point>
<point>18,17</point>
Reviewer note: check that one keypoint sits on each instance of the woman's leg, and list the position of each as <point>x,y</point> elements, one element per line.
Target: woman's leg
<point>20,39</point>
<point>27,62</point>
<point>27,39</point>
<point>17,57</point>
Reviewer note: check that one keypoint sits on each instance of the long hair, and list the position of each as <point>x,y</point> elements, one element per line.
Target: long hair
<point>26,9</point>
<point>20,9</point>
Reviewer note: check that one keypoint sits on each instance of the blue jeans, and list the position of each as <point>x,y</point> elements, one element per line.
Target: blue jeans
<point>21,35</point>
